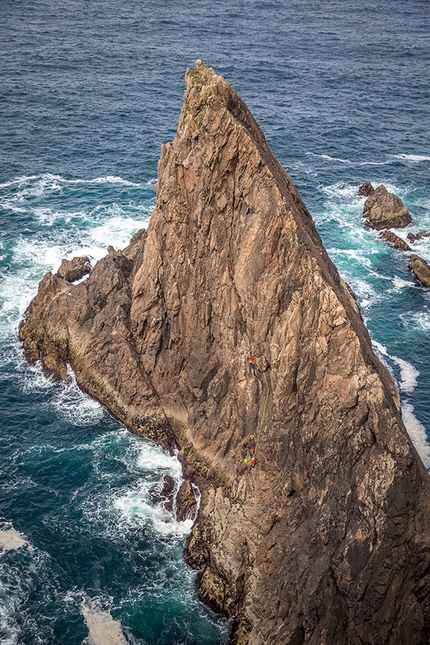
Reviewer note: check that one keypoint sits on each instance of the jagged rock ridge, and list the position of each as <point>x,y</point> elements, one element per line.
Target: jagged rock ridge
<point>327,539</point>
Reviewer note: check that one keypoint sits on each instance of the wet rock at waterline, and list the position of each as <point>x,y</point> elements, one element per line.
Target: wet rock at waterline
<point>325,539</point>
<point>395,240</point>
<point>385,210</point>
<point>186,502</point>
<point>415,237</point>
<point>421,269</point>
<point>165,493</point>
<point>72,270</point>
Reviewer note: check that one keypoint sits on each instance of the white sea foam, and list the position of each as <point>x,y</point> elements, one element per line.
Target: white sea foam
<point>341,191</point>
<point>116,231</point>
<point>33,257</point>
<point>136,506</point>
<point>400,284</point>
<point>408,373</point>
<point>103,629</point>
<point>36,185</point>
<point>358,255</point>
<point>153,459</point>
<point>348,161</point>
<point>18,181</point>
<point>10,539</point>
<point>408,381</point>
<point>416,321</point>
<point>133,506</point>
<point>17,577</point>
<point>417,432</point>
<point>412,158</point>
<point>72,404</point>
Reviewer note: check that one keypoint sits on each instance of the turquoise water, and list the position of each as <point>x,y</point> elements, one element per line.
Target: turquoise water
<point>89,92</point>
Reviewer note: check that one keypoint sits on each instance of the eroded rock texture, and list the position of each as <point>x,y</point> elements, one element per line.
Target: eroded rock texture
<point>327,539</point>
<point>420,268</point>
<point>72,270</point>
<point>365,189</point>
<point>395,240</point>
<point>385,210</point>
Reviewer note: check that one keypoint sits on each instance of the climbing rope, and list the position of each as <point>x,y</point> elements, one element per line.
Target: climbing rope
<point>263,415</point>
<point>266,401</point>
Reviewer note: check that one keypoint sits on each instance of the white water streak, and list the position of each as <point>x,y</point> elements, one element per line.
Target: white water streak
<point>417,432</point>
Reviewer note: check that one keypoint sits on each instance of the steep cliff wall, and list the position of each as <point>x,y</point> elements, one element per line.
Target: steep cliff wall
<point>326,540</point>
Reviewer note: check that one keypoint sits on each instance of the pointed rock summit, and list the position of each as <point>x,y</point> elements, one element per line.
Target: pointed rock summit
<point>226,331</point>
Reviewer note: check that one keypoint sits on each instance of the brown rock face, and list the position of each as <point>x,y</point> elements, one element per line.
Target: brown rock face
<point>415,237</point>
<point>326,540</point>
<point>72,270</point>
<point>365,189</point>
<point>421,269</point>
<point>385,210</point>
<point>395,240</point>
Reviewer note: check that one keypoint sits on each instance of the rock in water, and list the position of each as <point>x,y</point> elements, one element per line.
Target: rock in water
<point>415,237</point>
<point>385,210</point>
<point>395,240</point>
<point>421,269</point>
<point>327,538</point>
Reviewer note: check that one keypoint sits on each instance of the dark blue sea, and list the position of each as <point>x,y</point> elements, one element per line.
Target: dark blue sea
<point>89,90</point>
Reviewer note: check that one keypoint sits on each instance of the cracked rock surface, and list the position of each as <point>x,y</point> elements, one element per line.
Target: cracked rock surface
<point>326,540</point>
<point>385,210</point>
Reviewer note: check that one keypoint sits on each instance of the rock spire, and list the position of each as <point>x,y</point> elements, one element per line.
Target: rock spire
<point>326,539</point>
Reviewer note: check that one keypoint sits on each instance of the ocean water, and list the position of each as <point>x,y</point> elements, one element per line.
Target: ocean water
<point>89,91</point>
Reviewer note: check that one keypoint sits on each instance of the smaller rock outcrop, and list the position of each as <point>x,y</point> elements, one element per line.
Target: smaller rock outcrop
<point>395,240</point>
<point>385,210</point>
<point>415,237</point>
<point>164,492</point>
<point>186,503</point>
<point>365,189</point>
<point>72,270</point>
<point>421,269</point>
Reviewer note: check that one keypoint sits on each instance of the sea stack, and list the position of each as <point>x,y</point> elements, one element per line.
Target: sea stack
<point>385,210</point>
<point>226,331</point>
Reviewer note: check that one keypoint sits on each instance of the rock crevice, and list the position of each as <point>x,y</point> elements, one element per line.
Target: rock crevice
<point>325,540</point>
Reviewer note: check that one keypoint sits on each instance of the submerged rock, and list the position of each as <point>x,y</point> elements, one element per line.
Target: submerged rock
<point>421,269</point>
<point>325,539</point>
<point>385,210</point>
<point>395,240</point>
<point>365,190</point>
<point>72,270</point>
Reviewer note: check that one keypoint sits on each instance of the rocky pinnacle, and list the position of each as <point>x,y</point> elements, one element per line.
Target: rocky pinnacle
<point>326,539</point>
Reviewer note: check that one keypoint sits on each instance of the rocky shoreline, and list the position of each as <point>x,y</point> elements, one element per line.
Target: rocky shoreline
<point>326,539</point>
<point>384,210</point>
